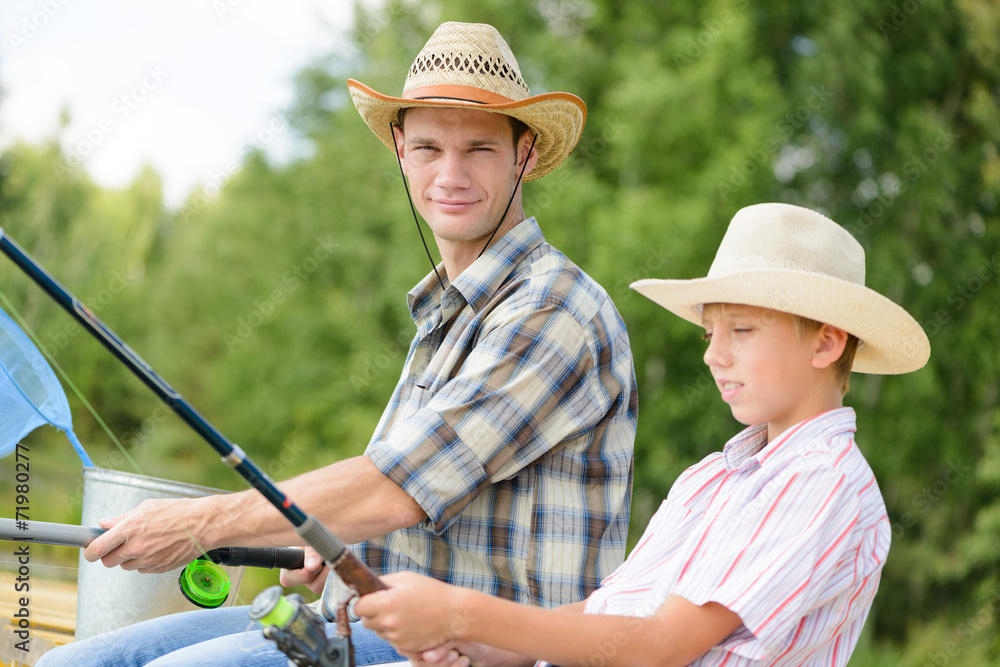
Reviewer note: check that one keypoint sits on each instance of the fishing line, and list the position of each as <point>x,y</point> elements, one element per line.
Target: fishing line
<point>51,359</point>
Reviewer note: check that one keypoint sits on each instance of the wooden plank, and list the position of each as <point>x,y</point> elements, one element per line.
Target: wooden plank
<point>52,617</point>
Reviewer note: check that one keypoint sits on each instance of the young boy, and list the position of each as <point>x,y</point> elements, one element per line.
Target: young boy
<point>767,553</point>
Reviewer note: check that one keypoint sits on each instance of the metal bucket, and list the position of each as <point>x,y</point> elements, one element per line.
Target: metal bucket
<point>110,598</point>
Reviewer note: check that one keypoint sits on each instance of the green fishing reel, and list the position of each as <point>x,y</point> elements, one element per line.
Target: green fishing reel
<point>204,584</point>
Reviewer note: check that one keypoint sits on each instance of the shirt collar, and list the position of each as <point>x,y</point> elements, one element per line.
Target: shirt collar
<point>429,305</point>
<point>750,446</point>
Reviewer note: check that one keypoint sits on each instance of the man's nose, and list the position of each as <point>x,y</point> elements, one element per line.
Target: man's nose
<point>452,171</point>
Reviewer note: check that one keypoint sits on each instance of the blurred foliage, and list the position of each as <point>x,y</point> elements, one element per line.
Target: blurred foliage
<point>275,303</point>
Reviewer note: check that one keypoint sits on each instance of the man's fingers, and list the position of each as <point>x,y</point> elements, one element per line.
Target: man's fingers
<point>103,545</point>
<point>312,574</point>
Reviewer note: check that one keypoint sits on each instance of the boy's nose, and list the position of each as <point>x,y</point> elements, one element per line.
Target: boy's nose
<point>715,353</point>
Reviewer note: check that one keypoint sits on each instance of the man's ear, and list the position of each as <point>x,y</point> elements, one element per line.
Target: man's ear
<point>400,149</point>
<point>830,344</point>
<point>522,147</point>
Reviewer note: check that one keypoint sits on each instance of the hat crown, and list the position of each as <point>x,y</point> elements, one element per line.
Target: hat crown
<point>474,55</point>
<point>781,236</point>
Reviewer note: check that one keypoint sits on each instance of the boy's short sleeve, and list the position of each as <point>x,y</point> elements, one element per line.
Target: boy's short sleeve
<point>778,557</point>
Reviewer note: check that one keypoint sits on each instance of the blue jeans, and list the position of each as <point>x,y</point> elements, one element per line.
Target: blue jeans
<point>224,637</point>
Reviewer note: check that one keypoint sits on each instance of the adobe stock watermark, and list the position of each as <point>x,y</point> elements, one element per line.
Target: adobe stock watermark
<point>961,294</point>
<point>565,18</point>
<point>56,341</point>
<point>223,7</point>
<point>35,22</point>
<point>117,459</point>
<point>899,17</point>
<point>608,648</point>
<point>784,129</point>
<point>291,280</point>
<point>967,630</point>
<point>585,153</point>
<point>366,31</point>
<point>653,265</point>
<point>121,109</point>
<point>711,29</point>
<point>291,451</point>
<point>705,382</point>
<point>913,170</point>
<point>385,359</point>
<point>929,496</point>
<point>276,125</point>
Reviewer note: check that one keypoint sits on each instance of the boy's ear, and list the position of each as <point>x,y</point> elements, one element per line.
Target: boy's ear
<point>830,344</point>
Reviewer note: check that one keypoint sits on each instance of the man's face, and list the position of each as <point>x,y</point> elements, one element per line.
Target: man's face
<point>462,170</point>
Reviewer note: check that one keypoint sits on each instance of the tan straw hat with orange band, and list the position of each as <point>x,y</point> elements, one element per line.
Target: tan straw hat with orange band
<point>469,65</point>
<point>797,261</point>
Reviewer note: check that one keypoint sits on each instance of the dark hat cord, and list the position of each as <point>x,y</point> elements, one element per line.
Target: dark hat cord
<point>413,209</point>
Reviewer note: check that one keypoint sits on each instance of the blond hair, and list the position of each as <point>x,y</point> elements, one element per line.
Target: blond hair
<point>842,367</point>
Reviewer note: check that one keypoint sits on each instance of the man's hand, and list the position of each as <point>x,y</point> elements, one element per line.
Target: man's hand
<point>155,537</point>
<point>312,574</point>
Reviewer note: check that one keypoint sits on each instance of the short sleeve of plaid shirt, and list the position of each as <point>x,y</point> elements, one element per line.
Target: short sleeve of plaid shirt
<point>512,426</point>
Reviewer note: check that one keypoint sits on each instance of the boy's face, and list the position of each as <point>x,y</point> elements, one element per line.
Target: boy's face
<point>763,369</point>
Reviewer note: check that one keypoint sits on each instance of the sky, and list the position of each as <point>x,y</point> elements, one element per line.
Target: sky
<point>183,85</point>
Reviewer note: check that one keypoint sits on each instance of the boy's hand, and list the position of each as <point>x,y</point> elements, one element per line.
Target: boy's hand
<point>312,574</point>
<point>458,654</point>
<point>415,614</point>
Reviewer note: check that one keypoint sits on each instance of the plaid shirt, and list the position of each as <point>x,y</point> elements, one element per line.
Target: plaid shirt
<point>512,426</point>
<point>791,536</point>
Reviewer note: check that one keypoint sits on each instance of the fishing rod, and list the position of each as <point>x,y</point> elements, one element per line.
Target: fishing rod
<point>203,582</point>
<point>351,570</point>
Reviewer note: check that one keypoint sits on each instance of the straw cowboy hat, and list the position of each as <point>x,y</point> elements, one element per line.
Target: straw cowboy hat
<point>469,65</point>
<point>797,261</point>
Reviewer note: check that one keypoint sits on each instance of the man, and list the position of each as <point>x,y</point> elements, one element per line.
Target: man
<point>503,461</point>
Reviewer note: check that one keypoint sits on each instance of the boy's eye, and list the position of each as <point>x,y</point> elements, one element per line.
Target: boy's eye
<point>707,336</point>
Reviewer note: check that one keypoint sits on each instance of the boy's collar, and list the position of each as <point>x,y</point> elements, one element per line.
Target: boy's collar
<point>751,448</point>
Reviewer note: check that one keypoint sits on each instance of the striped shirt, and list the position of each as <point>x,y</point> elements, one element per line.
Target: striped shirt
<point>790,536</point>
<point>512,426</point>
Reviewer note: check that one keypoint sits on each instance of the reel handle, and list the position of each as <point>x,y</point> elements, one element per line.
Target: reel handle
<point>266,557</point>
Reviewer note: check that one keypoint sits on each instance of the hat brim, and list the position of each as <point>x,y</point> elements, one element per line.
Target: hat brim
<point>557,119</point>
<point>892,341</point>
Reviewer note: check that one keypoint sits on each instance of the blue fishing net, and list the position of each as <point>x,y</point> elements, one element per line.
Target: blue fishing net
<point>30,394</point>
